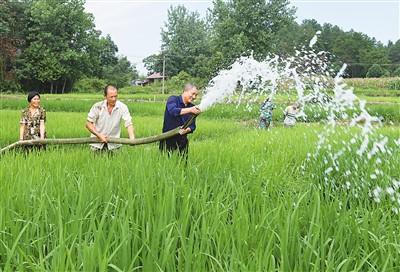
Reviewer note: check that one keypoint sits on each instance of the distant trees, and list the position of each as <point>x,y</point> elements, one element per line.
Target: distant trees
<point>184,43</point>
<point>53,43</point>
<point>202,46</point>
<point>49,45</point>
<point>377,71</point>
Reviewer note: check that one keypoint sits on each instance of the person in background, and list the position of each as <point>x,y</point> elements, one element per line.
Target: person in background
<point>266,113</point>
<point>104,120</point>
<point>33,119</point>
<point>290,115</point>
<point>178,110</point>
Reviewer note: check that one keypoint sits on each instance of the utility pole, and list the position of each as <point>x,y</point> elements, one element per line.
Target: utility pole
<point>163,75</point>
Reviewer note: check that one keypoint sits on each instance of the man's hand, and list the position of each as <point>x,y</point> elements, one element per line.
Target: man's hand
<point>102,138</point>
<point>184,131</point>
<point>195,110</point>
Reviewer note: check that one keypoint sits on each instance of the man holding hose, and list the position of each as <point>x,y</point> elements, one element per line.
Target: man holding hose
<point>104,120</point>
<point>178,111</point>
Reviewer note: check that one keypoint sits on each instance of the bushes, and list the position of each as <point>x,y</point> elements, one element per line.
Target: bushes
<point>396,72</point>
<point>9,86</point>
<point>377,71</point>
<point>182,78</point>
<point>388,83</point>
<point>89,85</point>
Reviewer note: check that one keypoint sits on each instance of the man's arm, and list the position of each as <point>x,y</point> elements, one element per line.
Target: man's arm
<point>131,132</point>
<point>194,110</point>
<point>174,110</point>
<point>126,116</point>
<point>90,126</point>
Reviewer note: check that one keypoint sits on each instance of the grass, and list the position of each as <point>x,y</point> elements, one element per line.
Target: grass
<point>389,110</point>
<point>242,203</point>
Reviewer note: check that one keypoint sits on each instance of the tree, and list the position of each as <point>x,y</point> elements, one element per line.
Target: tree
<point>396,72</point>
<point>154,63</point>
<point>59,36</point>
<point>394,52</point>
<point>376,71</point>
<point>247,27</point>
<point>12,17</point>
<point>184,42</point>
<point>121,74</point>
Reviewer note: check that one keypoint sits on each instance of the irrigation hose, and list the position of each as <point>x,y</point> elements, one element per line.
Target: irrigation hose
<point>93,140</point>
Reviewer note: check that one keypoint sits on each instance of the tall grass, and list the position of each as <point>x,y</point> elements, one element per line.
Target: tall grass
<point>390,112</point>
<point>391,83</point>
<point>241,203</point>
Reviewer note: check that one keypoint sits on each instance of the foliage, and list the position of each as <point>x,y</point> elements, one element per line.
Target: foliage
<point>136,102</point>
<point>121,74</point>
<point>377,71</point>
<point>184,43</point>
<point>390,83</point>
<point>9,86</point>
<point>396,72</point>
<point>57,45</point>
<point>182,78</point>
<point>89,85</point>
<point>240,203</point>
<point>245,27</point>
<point>394,52</point>
<point>235,28</point>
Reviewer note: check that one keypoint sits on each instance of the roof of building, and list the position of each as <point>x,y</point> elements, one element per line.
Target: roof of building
<point>155,76</point>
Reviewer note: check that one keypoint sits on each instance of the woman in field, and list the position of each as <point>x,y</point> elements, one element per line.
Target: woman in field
<point>33,118</point>
<point>290,114</point>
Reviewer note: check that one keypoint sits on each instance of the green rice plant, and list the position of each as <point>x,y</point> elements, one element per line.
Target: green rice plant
<point>391,83</point>
<point>241,203</point>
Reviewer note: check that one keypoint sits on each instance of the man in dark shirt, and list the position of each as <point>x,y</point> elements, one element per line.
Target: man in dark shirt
<point>178,110</point>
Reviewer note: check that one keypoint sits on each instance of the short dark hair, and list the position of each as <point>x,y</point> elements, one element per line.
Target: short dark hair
<point>108,86</point>
<point>32,95</point>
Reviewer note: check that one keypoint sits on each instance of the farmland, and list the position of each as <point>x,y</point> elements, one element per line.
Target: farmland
<point>247,200</point>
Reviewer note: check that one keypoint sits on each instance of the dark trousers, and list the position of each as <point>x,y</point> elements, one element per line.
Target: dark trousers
<point>175,144</point>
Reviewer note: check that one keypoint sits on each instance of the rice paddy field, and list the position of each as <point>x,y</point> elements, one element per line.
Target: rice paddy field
<point>246,200</point>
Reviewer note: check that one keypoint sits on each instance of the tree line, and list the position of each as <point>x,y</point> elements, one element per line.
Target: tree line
<point>203,46</point>
<point>51,44</point>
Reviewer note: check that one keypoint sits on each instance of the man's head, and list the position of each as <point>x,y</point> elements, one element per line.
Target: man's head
<point>190,93</point>
<point>110,94</point>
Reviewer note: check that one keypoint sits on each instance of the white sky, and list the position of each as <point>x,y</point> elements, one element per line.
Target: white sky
<point>135,25</point>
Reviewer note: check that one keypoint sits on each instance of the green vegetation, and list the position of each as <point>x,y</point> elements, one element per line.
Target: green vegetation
<point>262,28</point>
<point>377,71</point>
<point>242,203</point>
<point>392,84</point>
<point>387,107</point>
<point>55,47</point>
<point>50,45</point>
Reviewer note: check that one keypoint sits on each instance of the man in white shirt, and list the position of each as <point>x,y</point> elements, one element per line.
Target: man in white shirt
<point>104,120</point>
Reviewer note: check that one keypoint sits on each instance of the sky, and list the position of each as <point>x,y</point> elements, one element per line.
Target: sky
<point>135,25</point>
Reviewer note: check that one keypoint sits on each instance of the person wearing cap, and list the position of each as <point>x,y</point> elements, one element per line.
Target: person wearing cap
<point>290,115</point>
<point>104,119</point>
<point>178,111</point>
<point>266,113</point>
<point>33,119</point>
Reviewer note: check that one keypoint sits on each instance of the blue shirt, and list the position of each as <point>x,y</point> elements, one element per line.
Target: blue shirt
<point>172,117</point>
